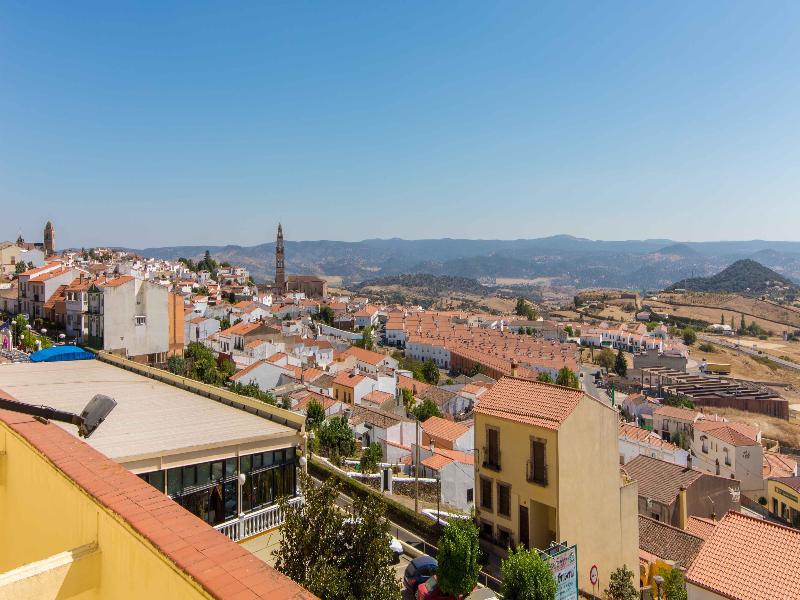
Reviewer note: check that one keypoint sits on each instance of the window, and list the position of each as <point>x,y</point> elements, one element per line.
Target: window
<point>470,495</point>
<point>727,456</point>
<point>141,320</point>
<point>486,493</point>
<point>491,459</point>
<point>704,442</point>
<point>487,530</point>
<point>537,467</point>
<point>504,499</point>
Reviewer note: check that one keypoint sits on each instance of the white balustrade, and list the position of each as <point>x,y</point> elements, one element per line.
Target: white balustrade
<point>256,522</point>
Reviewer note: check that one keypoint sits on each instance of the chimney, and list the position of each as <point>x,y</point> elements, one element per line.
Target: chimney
<point>683,509</point>
<point>513,368</point>
<point>689,461</point>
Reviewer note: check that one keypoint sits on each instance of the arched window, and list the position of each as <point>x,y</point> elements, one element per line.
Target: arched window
<point>704,441</point>
<point>727,456</point>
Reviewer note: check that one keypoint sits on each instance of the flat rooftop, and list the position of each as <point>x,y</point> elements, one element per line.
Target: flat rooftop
<point>151,418</point>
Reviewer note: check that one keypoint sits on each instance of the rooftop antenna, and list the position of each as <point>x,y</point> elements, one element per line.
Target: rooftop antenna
<point>90,418</point>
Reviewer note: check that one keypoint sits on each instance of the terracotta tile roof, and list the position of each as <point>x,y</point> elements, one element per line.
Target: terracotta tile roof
<point>736,434</point>
<point>348,379</point>
<point>312,374</point>
<point>375,416</point>
<point>277,356</point>
<point>223,568</point>
<point>456,455</point>
<point>444,429</point>
<point>56,297</point>
<point>409,383</point>
<point>532,402</point>
<point>436,461</point>
<point>632,432</point>
<point>117,281</point>
<point>701,527</point>
<point>675,412</point>
<point>668,542</point>
<point>749,559</point>
<point>48,275</point>
<point>377,397</point>
<point>324,381</point>
<point>658,479</point>
<point>778,465</point>
<point>366,356</point>
<point>436,394</point>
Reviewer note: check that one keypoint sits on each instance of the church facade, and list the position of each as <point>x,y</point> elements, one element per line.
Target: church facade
<point>310,285</point>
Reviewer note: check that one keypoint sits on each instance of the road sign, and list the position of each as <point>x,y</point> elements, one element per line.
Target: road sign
<point>593,575</point>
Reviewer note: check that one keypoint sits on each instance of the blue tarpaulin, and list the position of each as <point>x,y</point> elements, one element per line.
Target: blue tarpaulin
<point>57,353</point>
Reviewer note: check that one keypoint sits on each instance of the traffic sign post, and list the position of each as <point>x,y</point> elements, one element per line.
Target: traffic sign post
<point>593,578</point>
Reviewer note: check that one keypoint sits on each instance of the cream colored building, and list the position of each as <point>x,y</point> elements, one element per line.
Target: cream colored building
<point>547,470</point>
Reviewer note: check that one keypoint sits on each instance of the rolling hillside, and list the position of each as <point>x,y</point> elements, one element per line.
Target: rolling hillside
<point>746,277</point>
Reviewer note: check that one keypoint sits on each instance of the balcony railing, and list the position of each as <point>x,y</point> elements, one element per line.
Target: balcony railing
<point>537,473</point>
<point>491,459</point>
<point>255,522</point>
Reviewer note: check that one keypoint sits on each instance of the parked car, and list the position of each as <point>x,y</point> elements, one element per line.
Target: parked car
<point>430,591</point>
<point>419,571</point>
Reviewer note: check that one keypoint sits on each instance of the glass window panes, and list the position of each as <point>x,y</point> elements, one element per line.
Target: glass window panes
<point>217,470</point>
<point>156,479</point>
<point>245,463</point>
<point>290,452</point>
<point>174,481</point>
<point>189,478</point>
<point>278,457</point>
<point>258,460</point>
<point>203,474</point>
<point>269,459</point>
<point>230,467</point>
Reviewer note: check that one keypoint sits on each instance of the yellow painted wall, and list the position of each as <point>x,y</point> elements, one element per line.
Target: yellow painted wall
<point>43,513</point>
<point>772,492</point>
<point>584,502</point>
<point>593,512</point>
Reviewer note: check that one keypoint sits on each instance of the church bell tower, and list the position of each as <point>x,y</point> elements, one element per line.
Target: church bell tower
<point>280,271</point>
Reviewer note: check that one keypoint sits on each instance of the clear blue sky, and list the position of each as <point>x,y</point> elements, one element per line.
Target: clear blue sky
<point>153,124</point>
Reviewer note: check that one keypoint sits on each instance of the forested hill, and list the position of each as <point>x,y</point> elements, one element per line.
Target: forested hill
<point>742,277</point>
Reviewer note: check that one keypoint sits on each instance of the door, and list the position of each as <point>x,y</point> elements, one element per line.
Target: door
<point>524,536</point>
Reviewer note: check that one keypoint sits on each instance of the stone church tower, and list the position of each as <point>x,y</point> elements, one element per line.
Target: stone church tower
<point>280,271</point>
<point>49,239</point>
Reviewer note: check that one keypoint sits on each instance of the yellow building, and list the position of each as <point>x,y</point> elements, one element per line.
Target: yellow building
<point>783,499</point>
<point>75,524</point>
<point>548,471</point>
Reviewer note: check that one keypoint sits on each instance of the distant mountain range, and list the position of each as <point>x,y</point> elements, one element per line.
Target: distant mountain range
<point>742,277</point>
<point>562,259</point>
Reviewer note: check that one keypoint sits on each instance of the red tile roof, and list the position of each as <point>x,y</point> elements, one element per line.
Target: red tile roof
<point>700,526</point>
<point>411,384</point>
<point>117,281</point>
<point>348,379</point>
<point>778,465</point>
<point>224,569</point>
<point>676,412</point>
<point>749,559</point>
<point>736,434</point>
<point>366,356</point>
<point>632,432</point>
<point>444,429</point>
<point>531,402</point>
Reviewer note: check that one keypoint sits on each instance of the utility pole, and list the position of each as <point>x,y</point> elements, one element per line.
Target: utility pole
<point>416,469</point>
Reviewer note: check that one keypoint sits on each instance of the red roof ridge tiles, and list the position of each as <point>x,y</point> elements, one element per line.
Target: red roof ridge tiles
<point>221,567</point>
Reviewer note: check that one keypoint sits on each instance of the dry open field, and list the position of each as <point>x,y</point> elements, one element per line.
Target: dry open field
<point>709,307</point>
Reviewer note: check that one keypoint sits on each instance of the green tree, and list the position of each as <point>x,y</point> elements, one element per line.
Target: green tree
<point>19,268</point>
<point>18,327</point>
<point>366,340</point>
<point>325,315</point>
<point>620,364</point>
<point>477,369</point>
<point>331,555</point>
<point>568,330</point>
<point>674,585</point>
<point>430,371</point>
<point>336,439</point>
<point>315,414</point>
<point>425,410</point>
<point>408,398</point>
<point>689,336</point>
<point>525,309</point>
<point>544,377</point>
<point>722,319</point>
<point>176,365</point>
<point>605,358</point>
<point>370,458</point>
<point>527,576</point>
<point>567,378</point>
<point>620,585</point>
<point>458,569</point>
<point>742,326</point>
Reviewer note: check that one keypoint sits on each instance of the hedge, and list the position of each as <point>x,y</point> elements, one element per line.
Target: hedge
<point>395,511</point>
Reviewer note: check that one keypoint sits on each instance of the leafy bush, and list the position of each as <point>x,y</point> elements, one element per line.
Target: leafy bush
<point>459,550</point>
<point>707,347</point>
<point>527,576</point>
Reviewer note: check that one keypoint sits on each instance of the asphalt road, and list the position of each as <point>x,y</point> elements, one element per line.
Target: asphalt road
<point>747,350</point>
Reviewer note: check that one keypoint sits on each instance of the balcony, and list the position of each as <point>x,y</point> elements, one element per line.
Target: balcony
<point>536,473</point>
<point>491,459</point>
<point>254,523</point>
